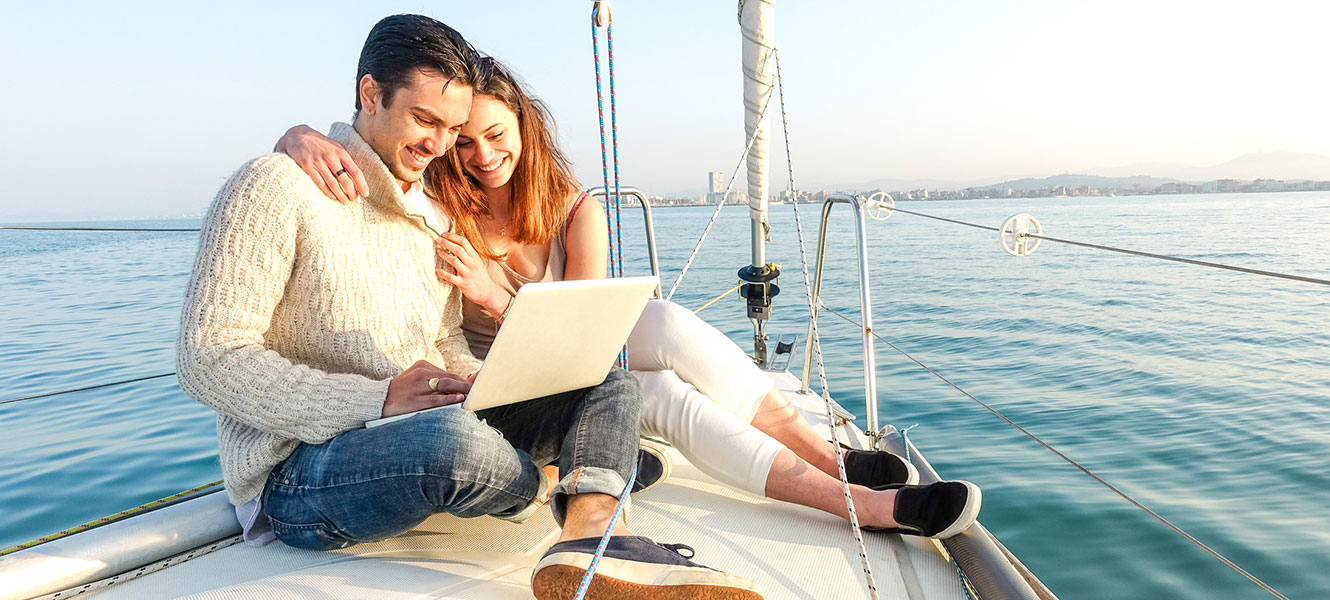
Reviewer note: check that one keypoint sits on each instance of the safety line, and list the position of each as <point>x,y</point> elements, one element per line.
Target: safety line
<point>26,228</point>
<point>1068,459</point>
<point>1134,252</point>
<point>144,570</point>
<point>110,518</point>
<point>869,580</point>
<point>91,387</point>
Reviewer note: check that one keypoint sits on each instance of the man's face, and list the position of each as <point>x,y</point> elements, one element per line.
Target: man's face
<point>419,124</point>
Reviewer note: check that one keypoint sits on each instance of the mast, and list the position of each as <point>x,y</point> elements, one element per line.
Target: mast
<point>757,22</point>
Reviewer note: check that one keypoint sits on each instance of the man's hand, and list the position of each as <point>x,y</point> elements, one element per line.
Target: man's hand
<point>411,391</point>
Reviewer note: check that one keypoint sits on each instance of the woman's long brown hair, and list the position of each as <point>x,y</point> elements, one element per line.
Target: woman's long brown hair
<point>542,181</point>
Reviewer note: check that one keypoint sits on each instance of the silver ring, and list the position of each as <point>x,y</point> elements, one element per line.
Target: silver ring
<point>339,173</point>
<point>434,383</point>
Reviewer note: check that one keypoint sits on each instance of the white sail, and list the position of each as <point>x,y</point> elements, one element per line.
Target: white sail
<point>757,20</point>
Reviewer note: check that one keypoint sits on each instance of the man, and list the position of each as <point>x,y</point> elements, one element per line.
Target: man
<point>306,318</point>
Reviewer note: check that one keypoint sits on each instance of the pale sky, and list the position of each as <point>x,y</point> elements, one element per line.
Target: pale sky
<point>144,109</point>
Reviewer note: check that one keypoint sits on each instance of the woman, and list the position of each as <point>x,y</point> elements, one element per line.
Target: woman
<point>518,216</point>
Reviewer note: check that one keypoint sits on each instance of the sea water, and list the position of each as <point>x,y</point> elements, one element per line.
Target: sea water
<point>1203,394</point>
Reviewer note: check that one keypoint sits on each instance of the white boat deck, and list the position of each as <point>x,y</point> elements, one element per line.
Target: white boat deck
<point>790,551</point>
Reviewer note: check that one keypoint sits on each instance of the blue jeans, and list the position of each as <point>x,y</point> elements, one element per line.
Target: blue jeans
<point>371,484</point>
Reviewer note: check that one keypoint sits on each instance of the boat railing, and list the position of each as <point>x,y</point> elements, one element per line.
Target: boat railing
<point>603,192</point>
<point>865,306</point>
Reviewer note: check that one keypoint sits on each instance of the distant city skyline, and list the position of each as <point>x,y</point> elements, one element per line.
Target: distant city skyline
<point>149,117</point>
<point>715,182</point>
<point>1062,185</point>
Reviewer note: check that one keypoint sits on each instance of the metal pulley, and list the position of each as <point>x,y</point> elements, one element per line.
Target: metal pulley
<point>600,13</point>
<point>880,206</point>
<point>1014,235</point>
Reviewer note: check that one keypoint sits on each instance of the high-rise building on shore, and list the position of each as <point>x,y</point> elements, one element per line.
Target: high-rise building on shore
<point>715,182</point>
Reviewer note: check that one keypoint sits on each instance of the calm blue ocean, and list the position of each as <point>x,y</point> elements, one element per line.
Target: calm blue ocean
<point>1204,394</point>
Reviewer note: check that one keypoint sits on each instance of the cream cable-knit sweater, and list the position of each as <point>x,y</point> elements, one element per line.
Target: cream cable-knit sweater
<point>300,310</point>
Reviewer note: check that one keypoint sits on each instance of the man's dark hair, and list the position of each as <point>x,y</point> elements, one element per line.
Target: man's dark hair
<point>401,45</point>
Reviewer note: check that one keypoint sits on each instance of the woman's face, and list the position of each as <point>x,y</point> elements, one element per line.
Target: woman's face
<point>489,145</point>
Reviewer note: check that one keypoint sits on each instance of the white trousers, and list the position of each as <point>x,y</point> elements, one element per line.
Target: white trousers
<point>700,392</point>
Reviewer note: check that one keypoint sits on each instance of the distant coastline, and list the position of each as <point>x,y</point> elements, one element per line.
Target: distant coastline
<point>1168,188</point>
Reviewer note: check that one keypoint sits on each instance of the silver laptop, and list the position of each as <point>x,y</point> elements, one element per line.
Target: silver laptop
<point>558,337</point>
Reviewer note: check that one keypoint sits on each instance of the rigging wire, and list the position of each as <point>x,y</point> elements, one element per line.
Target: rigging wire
<point>1190,261</point>
<point>27,228</point>
<point>90,387</point>
<point>766,104</point>
<point>1134,252</point>
<point>817,344</point>
<point>1066,458</point>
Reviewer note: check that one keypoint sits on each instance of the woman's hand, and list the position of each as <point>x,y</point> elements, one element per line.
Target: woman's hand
<point>325,161</point>
<point>470,273</point>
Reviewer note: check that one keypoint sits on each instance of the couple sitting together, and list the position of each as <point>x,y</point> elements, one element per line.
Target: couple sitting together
<point>306,318</point>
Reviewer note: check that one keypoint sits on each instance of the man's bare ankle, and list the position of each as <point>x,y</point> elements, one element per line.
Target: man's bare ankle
<point>589,516</point>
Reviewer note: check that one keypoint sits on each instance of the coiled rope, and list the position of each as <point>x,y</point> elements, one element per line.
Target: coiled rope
<point>1066,458</point>
<point>817,348</point>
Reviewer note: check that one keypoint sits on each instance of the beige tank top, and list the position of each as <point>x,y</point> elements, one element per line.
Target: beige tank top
<point>479,327</point>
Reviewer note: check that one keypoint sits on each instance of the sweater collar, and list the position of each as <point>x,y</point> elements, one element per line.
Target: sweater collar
<point>385,191</point>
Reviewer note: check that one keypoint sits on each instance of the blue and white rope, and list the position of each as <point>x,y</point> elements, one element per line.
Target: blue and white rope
<point>905,439</point>
<point>614,147</point>
<point>604,154</point>
<point>614,220</point>
<point>605,539</point>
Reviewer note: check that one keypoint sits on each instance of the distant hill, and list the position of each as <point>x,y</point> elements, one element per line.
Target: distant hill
<point>1074,180</point>
<point>910,184</point>
<point>1257,165</point>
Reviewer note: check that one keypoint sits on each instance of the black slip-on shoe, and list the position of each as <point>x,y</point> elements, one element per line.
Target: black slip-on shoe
<point>937,510</point>
<point>876,468</point>
<point>634,568</point>
<point>653,465</point>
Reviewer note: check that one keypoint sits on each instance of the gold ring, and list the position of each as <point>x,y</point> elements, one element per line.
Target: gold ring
<point>434,383</point>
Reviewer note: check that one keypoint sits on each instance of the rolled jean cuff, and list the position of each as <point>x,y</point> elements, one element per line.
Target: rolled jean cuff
<point>531,507</point>
<point>586,480</point>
